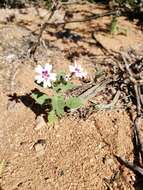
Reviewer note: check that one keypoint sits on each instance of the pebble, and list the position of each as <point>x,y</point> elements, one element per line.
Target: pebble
<point>40,123</point>
<point>39,147</point>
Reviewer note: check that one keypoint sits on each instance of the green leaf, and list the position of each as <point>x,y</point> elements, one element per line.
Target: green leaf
<point>52,117</point>
<point>61,76</point>
<point>74,102</point>
<point>39,97</point>
<point>68,86</point>
<point>61,84</point>
<point>64,87</point>
<point>114,25</point>
<point>58,104</point>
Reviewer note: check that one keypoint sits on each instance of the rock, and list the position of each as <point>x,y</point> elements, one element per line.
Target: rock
<point>40,123</point>
<point>10,58</point>
<point>39,147</point>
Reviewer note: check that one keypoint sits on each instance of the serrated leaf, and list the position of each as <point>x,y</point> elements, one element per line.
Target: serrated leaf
<point>58,104</point>
<point>74,102</point>
<point>39,97</point>
<point>52,117</point>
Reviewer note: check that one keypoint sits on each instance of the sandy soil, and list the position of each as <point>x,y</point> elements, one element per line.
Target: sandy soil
<point>74,154</point>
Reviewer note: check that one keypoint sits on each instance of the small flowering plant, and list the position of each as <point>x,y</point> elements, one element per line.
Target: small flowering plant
<point>77,70</point>
<point>44,75</point>
<point>59,83</point>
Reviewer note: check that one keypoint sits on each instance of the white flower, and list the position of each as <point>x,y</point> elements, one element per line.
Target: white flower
<point>45,76</point>
<point>77,70</point>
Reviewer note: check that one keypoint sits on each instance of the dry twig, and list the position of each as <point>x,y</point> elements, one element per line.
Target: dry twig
<point>137,121</point>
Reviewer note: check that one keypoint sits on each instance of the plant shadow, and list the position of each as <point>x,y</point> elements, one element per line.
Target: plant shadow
<point>16,4</point>
<point>29,102</point>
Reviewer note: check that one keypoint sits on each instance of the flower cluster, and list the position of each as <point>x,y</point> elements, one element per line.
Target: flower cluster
<point>46,77</point>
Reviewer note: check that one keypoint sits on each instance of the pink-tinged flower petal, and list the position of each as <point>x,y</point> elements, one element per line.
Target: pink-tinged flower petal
<point>77,70</point>
<point>39,69</point>
<point>79,67</point>
<point>45,76</point>
<point>52,76</point>
<point>81,74</point>
<point>48,67</point>
<point>39,79</point>
<point>72,68</point>
<point>46,83</point>
<point>84,74</point>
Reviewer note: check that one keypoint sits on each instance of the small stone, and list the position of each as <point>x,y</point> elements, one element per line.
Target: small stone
<point>109,161</point>
<point>40,123</point>
<point>10,58</point>
<point>39,147</point>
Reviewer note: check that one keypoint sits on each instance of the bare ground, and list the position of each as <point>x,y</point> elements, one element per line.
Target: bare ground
<point>74,153</point>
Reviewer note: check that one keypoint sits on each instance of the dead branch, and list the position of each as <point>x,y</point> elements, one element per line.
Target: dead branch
<point>130,165</point>
<point>56,6</point>
<point>137,121</point>
<point>109,13</point>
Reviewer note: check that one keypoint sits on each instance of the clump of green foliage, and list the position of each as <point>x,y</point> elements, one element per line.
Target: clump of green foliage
<point>58,104</point>
<point>114,27</point>
<point>48,3</point>
<point>132,9</point>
